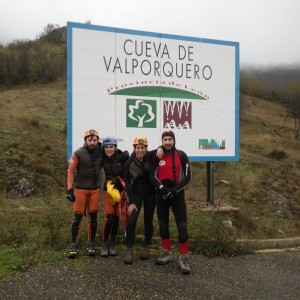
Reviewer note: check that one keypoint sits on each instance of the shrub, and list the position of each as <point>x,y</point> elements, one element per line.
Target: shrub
<point>278,154</point>
<point>34,123</point>
<point>42,168</point>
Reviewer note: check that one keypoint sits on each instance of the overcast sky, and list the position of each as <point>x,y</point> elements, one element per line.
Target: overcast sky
<point>268,30</point>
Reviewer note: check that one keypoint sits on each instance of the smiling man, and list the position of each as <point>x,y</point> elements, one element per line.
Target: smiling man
<point>84,190</point>
<point>170,175</point>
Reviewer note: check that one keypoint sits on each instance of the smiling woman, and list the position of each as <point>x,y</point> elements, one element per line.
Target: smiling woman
<point>112,165</point>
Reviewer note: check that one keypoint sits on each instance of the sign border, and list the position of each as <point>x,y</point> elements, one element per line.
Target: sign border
<point>72,25</point>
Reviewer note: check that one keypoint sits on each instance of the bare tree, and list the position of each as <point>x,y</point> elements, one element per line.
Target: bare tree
<point>53,34</point>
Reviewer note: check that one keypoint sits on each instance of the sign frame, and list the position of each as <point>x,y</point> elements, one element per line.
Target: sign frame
<point>77,90</point>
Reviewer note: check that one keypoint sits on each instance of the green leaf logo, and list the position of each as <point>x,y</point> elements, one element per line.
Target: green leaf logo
<point>141,113</point>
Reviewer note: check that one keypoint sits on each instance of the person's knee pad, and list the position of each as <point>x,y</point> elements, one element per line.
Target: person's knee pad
<point>93,216</point>
<point>115,227</point>
<point>77,218</point>
<point>182,232</point>
<point>93,225</point>
<point>75,229</point>
<point>109,222</point>
<point>110,218</point>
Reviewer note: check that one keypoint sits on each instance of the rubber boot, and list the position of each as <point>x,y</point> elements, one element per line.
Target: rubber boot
<point>111,249</point>
<point>104,249</point>
<point>90,250</point>
<point>73,251</point>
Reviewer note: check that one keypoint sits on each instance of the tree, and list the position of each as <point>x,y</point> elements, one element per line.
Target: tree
<point>141,112</point>
<point>53,34</point>
<point>46,62</point>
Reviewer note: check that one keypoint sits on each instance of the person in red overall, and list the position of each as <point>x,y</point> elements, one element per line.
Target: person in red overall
<point>84,191</point>
<point>170,175</point>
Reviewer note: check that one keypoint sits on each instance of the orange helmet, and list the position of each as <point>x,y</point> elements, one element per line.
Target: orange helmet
<point>140,140</point>
<point>91,132</point>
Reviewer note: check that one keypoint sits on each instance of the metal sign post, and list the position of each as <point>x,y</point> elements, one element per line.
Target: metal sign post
<point>210,182</point>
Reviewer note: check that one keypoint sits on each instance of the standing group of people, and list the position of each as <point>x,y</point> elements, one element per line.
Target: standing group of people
<point>146,179</point>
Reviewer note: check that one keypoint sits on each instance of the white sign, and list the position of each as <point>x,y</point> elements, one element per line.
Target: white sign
<point>125,83</point>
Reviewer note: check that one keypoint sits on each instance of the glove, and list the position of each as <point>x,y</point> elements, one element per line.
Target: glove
<point>70,195</point>
<point>172,195</point>
<point>117,184</point>
<point>164,197</point>
<point>165,191</point>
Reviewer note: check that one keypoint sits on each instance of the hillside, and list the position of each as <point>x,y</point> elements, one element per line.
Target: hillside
<point>33,139</point>
<point>264,184</point>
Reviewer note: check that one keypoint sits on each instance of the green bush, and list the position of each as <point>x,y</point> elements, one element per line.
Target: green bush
<point>278,154</point>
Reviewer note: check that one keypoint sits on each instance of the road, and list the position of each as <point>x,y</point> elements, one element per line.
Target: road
<point>258,276</point>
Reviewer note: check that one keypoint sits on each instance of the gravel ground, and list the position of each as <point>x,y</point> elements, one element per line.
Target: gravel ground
<point>258,276</point>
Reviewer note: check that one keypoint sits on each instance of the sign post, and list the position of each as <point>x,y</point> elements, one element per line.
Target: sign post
<point>210,182</point>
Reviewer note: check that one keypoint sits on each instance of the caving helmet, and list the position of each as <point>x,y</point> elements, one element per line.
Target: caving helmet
<point>91,132</point>
<point>140,140</point>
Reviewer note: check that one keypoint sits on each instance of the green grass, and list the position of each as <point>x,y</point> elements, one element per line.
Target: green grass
<point>14,260</point>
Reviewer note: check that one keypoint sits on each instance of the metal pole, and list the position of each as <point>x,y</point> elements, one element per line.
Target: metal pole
<point>210,182</point>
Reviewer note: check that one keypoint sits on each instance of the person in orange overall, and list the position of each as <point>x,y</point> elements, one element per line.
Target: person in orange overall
<point>83,189</point>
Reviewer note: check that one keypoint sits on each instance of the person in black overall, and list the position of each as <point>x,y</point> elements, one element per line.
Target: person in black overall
<point>170,175</point>
<point>140,192</point>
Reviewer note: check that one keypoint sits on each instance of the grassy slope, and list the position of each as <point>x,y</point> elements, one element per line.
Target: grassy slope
<point>265,189</point>
<point>33,135</point>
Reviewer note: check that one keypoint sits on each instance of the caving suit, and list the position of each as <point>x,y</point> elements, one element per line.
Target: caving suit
<point>172,171</point>
<point>82,169</point>
<point>140,192</point>
<point>113,168</point>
